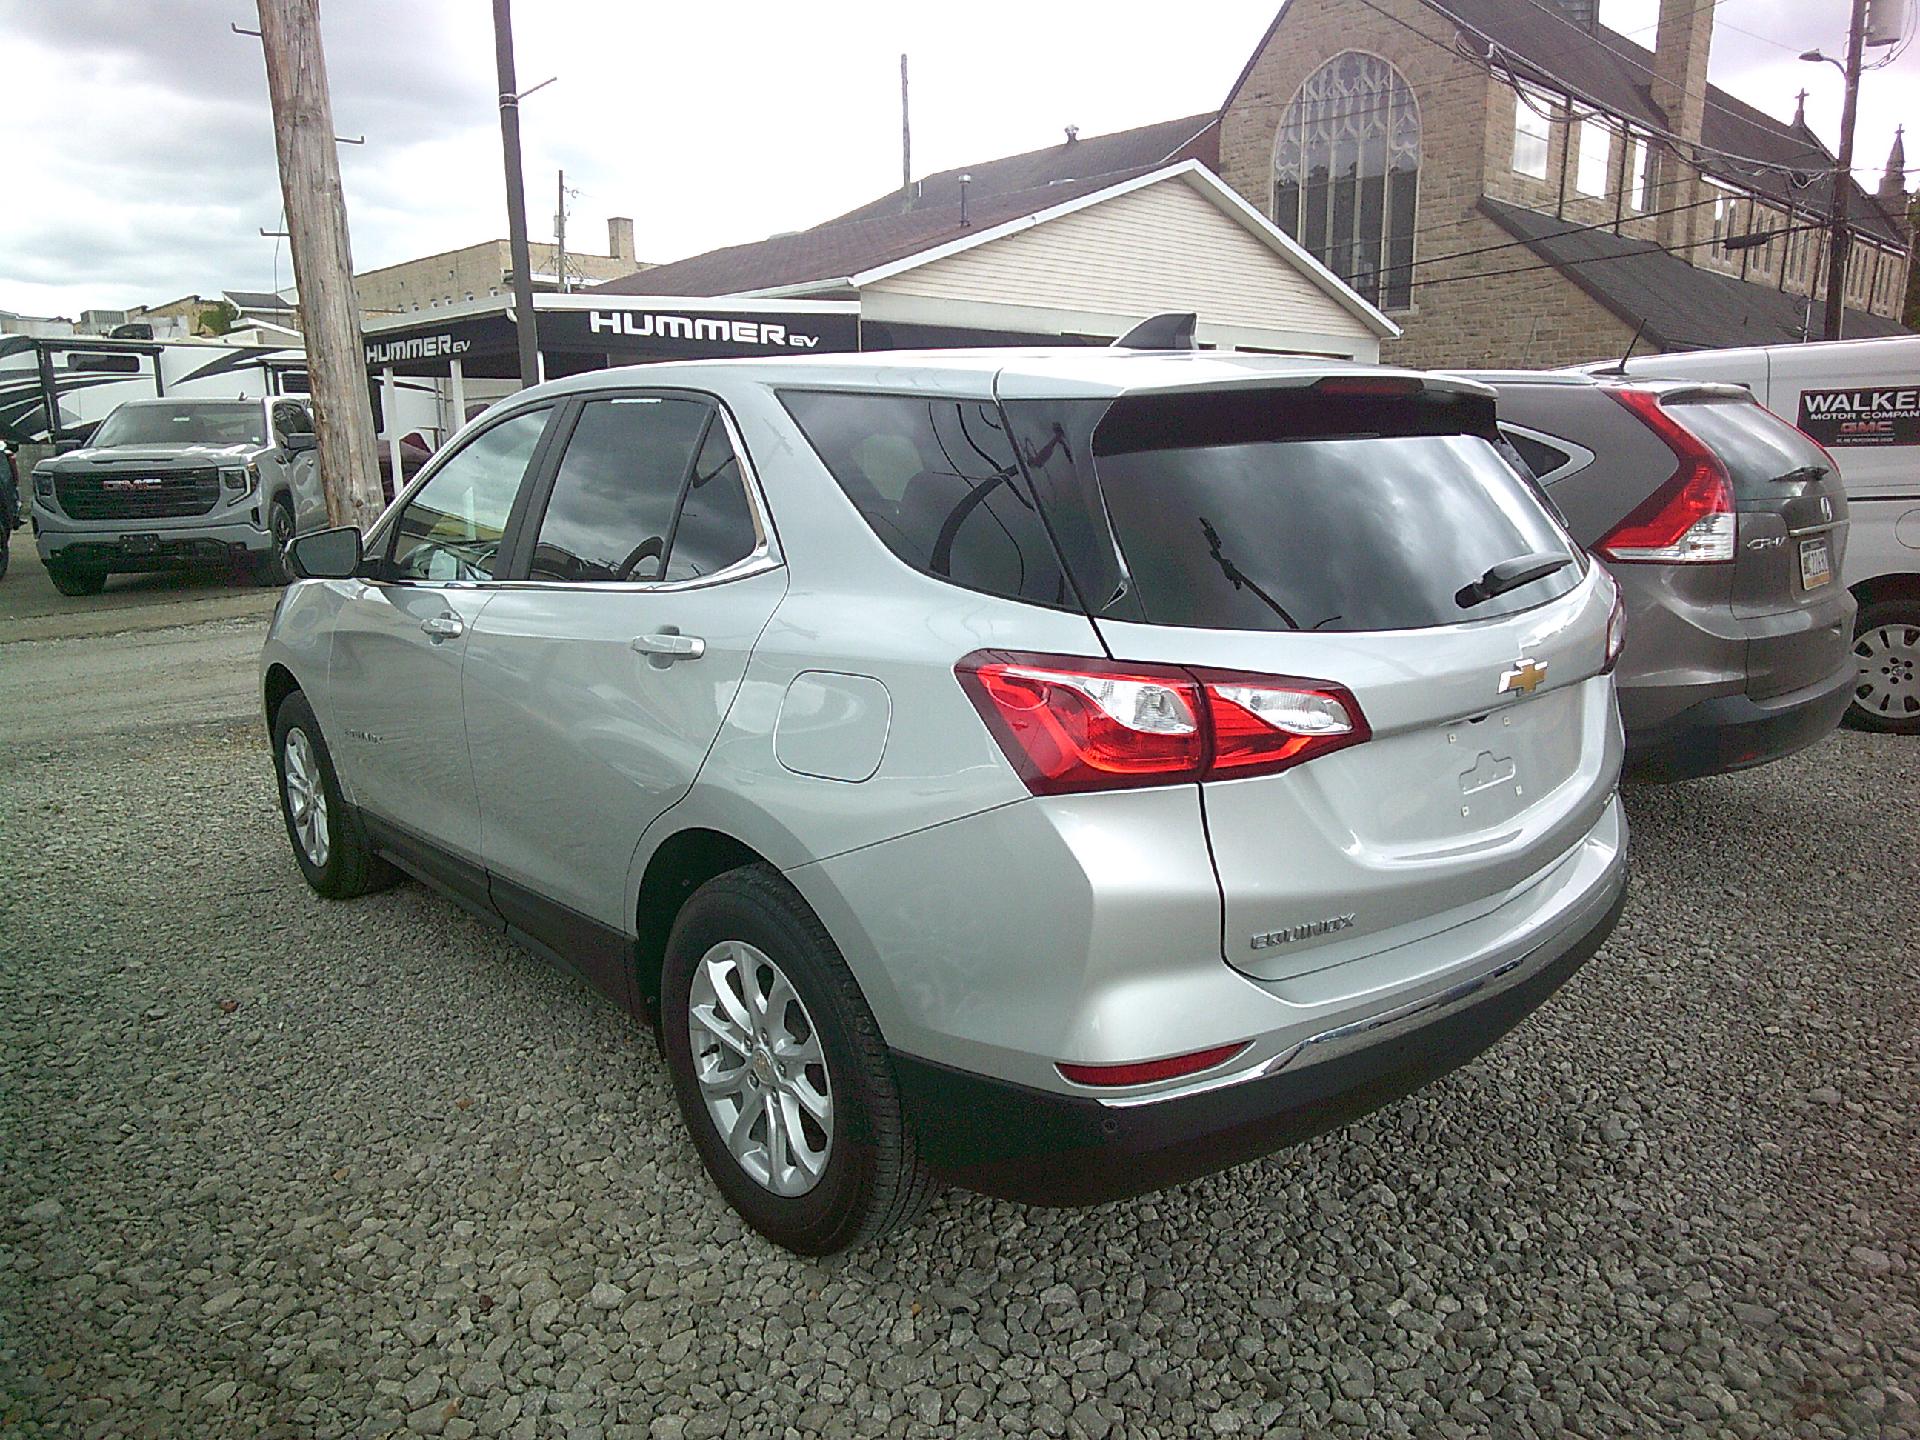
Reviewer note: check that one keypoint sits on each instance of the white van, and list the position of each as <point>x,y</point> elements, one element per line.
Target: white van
<point>1861,400</point>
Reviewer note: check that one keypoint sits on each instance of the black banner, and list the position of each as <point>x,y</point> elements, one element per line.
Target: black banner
<point>1862,417</point>
<point>482,342</point>
<point>699,334</point>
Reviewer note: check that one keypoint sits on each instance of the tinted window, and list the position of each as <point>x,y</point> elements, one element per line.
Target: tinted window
<point>611,512</point>
<point>292,419</point>
<point>1540,457</point>
<point>1249,513</point>
<point>451,528</point>
<point>937,482</point>
<point>158,423</point>
<point>715,528</point>
<point>1757,446</point>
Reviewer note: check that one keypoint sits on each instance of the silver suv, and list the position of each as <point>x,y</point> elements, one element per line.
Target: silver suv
<point>1060,773</point>
<point>165,484</point>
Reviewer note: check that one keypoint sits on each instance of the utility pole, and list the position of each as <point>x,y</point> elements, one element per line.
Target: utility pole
<point>906,142</point>
<point>560,235</point>
<point>1839,246</point>
<point>322,259</point>
<point>524,321</point>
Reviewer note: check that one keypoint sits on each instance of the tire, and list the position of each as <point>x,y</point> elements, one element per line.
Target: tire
<point>857,1177</point>
<point>271,569</point>
<point>6,548</point>
<point>76,579</point>
<point>342,864</point>
<point>1886,642</point>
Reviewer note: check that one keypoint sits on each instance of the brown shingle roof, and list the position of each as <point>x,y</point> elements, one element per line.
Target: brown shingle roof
<point>846,247</point>
<point>1684,307</point>
<point>1192,137</point>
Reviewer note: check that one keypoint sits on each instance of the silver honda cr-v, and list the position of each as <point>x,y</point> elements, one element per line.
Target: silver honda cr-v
<point>1062,773</point>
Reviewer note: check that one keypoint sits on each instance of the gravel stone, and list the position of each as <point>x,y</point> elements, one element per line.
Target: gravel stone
<point>417,1182</point>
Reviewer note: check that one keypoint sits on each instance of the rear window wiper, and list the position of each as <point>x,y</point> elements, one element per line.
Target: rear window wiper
<point>1509,575</point>
<point>1802,472</point>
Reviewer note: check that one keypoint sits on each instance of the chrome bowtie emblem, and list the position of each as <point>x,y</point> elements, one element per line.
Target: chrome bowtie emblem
<point>1524,678</point>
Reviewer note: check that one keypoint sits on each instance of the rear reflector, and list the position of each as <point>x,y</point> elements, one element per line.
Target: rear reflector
<point>1071,724</point>
<point>1689,520</point>
<point>1616,630</point>
<point>1140,1072</point>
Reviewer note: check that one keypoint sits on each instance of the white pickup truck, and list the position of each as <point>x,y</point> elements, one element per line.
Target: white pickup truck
<point>1861,400</point>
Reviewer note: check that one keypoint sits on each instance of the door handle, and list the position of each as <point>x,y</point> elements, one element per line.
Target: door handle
<point>669,646</point>
<point>444,627</point>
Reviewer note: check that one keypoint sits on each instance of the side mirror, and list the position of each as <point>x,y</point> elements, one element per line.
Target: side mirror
<point>61,447</point>
<point>325,554</point>
<point>298,444</point>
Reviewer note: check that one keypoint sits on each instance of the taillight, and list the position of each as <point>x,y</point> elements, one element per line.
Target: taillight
<point>1071,724</point>
<point>1140,1072</point>
<point>1689,520</point>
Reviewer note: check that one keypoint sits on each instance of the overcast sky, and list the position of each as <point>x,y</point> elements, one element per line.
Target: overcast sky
<point>142,150</point>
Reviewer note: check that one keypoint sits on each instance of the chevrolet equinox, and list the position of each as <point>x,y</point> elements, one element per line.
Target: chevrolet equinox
<point>1062,773</point>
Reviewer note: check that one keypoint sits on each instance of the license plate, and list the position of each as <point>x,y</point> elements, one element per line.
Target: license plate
<point>1815,568</point>
<point>139,544</point>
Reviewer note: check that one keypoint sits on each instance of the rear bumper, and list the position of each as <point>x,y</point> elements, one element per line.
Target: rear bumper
<point>1733,732</point>
<point>1046,1148</point>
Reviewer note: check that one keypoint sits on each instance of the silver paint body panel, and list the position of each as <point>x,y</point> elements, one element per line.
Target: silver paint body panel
<point>988,929</point>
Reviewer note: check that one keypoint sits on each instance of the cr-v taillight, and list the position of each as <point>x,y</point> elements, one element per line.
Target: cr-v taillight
<point>1689,520</point>
<point>1070,723</point>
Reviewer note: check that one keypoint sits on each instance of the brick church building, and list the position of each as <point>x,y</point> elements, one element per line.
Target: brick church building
<point>1512,183</point>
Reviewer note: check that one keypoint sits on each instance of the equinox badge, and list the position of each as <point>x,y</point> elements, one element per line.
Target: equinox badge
<point>1524,678</point>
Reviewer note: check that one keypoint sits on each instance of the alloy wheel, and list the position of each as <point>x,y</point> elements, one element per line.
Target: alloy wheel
<point>306,798</point>
<point>760,1067</point>
<point>1889,657</point>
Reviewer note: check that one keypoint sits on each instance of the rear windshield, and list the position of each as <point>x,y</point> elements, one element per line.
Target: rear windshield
<point>1758,448</point>
<point>240,423</point>
<point>1253,511</point>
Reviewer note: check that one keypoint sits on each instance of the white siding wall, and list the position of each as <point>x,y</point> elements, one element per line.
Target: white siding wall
<point>1163,247</point>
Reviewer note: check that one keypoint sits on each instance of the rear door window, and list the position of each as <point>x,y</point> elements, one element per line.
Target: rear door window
<point>611,511</point>
<point>1299,511</point>
<point>936,481</point>
<point>715,527</point>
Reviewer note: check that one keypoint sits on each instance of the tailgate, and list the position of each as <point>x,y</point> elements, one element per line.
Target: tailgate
<point>1460,796</point>
<point>1788,591</point>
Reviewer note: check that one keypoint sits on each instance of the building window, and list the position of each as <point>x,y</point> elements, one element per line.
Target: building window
<point>1726,220</point>
<point>1346,166</point>
<point>1639,177</point>
<point>1531,131</point>
<point>1596,148</point>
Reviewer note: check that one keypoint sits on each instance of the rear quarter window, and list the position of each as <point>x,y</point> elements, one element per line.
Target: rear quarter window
<point>936,480</point>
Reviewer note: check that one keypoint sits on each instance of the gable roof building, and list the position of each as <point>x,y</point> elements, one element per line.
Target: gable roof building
<point>1080,257</point>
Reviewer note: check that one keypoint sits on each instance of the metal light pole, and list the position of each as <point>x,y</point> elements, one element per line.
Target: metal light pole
<point>1839,242</point>
<point>524,322</point>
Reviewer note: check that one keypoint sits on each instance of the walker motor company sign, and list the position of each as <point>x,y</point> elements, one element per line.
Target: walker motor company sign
<point>1862,417</point>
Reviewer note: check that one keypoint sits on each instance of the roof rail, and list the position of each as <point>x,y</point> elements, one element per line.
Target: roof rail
<point>1162,332</point>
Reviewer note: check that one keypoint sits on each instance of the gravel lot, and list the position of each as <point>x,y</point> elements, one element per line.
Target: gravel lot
<point>271,1166</point>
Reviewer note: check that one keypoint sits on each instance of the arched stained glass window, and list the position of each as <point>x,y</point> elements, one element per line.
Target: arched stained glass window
<point>1346,166</point>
